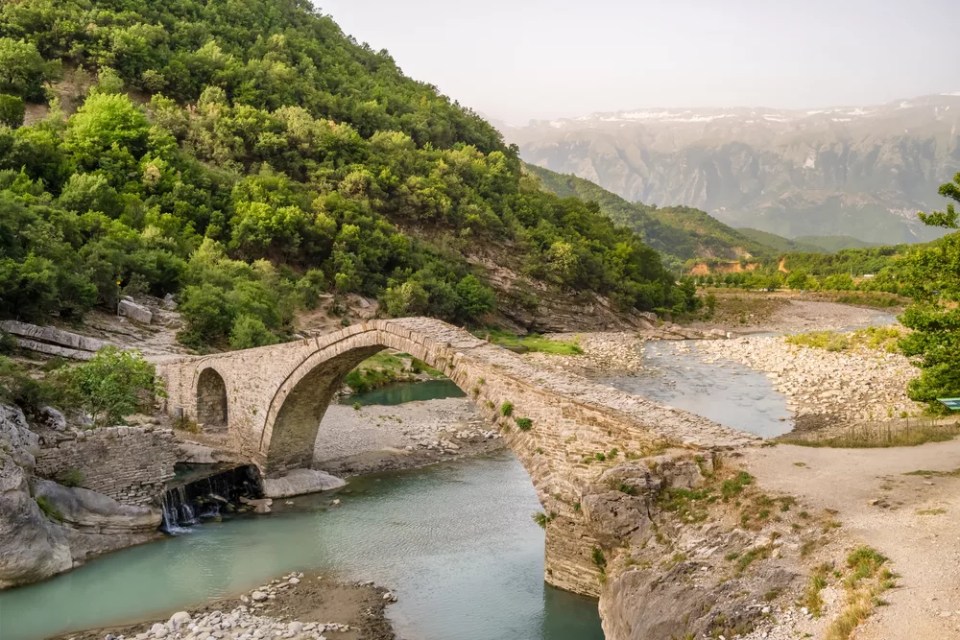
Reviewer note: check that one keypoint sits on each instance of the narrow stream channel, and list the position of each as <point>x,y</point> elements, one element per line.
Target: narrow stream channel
<point>675,374</point>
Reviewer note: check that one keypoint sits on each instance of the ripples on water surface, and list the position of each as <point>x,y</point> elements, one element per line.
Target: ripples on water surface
<point>456,542</point>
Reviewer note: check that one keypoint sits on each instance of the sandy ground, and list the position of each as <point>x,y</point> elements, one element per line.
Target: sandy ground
<point>413,434</point>
<point>749,312</point>
<point>913,520</point>
<point>317,599</point>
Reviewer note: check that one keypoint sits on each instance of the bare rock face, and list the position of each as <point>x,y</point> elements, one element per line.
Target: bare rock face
<point>684,601</point>
<point>33,547</point>
<point>621,506</point>
<point>88,510</point>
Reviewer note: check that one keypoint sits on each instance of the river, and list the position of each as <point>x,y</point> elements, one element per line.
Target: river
<point>455,542</point>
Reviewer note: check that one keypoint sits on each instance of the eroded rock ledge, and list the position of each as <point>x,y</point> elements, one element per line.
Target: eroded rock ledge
<point>46,528</point>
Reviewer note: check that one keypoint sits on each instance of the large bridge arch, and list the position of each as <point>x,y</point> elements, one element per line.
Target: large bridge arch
<point>277,395</point>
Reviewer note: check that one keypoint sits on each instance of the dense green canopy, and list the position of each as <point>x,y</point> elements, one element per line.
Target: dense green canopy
<point>249,156</point>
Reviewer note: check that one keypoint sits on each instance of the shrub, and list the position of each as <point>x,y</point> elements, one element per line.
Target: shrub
<point>524,424</point>
<point>112,385</point>
<point>12,110</point>
<point>599,559</point>
<point>70,478</point>
<point>506,409</point>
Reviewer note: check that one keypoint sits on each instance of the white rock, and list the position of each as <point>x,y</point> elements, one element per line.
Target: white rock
<point>179,619</point>
<point>258,596</point>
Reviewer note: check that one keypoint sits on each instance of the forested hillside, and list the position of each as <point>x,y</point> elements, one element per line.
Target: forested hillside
<point>680,233</point>
<point>248,156</point>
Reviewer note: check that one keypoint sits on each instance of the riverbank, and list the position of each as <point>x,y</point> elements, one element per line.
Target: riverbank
<point>829,392</point>
<point>294,607</point>
<point>377,438</point>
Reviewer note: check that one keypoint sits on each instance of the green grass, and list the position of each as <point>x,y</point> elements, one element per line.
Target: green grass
<point>926,473</point>
<point>506,409</point>
<point>48,508</point>
<point>873,338</point>
<point>867,577</point>
<point>524,424</point>
<point>812,598</point>
<point>533,343</point>
<point>735,485</point>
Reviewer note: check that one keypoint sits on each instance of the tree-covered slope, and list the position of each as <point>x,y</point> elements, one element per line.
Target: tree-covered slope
<point>680,233</point>
<point>249,156</point>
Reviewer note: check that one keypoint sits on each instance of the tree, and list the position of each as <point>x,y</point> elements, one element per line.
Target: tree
<point>23,70</point>
<point>107,126</point>
<point>112,385</point>
<point>12,110</point>
<point>932,276</point>
<point>249,331</point>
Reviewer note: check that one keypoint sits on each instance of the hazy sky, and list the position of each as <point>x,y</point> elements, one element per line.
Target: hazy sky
<point>520,59</point>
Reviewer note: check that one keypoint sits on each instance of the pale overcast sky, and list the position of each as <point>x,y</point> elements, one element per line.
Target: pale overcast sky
<point>520,59</point>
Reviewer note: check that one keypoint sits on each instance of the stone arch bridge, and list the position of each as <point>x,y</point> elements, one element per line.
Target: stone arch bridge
<point>270,402</point>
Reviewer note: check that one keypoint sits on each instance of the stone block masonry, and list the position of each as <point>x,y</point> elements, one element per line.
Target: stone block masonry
<point>129,464</point>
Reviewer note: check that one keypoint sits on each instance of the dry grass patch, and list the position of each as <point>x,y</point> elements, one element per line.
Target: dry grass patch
<point>867,578</point>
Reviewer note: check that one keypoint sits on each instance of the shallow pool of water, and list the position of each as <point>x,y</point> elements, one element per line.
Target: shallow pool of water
<point>401,392</point>
<point>456,542</point>
<point>676,374</point>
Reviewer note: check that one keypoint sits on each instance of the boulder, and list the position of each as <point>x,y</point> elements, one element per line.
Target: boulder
<point>137,312</point>
<point>53,419</point>
<point>299,482</point>
<point>34,547</point>
<point>89,510</point>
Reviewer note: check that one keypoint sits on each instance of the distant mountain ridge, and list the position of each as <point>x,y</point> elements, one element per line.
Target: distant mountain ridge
<point>857,171</point>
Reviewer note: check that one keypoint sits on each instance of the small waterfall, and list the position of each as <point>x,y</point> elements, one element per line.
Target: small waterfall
<point>206,494</point>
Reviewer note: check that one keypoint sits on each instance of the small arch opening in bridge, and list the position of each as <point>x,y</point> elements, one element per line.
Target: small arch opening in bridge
<point>212,400</point>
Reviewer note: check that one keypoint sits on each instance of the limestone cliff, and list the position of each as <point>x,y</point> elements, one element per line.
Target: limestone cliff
<point>46,528</point>
<point>687,547</point>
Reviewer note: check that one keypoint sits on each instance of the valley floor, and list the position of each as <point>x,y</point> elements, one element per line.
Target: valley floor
<point>912,519</point>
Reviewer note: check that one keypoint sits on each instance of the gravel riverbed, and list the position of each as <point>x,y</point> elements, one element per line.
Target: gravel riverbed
<point>389,437</point>
<point>824,388</point>
<point>292,607</point>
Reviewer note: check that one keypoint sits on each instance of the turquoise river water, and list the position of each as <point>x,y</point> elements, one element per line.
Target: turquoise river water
<point>455,542</point>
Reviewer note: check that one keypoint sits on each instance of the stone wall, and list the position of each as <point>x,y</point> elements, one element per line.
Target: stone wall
<point>129,464</point>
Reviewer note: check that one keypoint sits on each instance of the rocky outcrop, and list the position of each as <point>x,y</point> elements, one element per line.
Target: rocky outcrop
<point>33,548</point>
<point>94,512</point>
<point>52,341</point>
<point>687,547</point>
<point>299,482</point>
<point>47,528</point>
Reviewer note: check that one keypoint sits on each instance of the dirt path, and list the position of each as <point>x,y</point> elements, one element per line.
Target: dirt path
<point>912,519</point>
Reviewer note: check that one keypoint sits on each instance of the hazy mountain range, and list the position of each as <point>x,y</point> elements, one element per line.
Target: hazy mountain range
<point>855,171</point>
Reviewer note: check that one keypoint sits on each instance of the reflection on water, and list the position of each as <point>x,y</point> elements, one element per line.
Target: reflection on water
<point>401,392</point>
<point>675,374</point>
<point>456,543</point>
